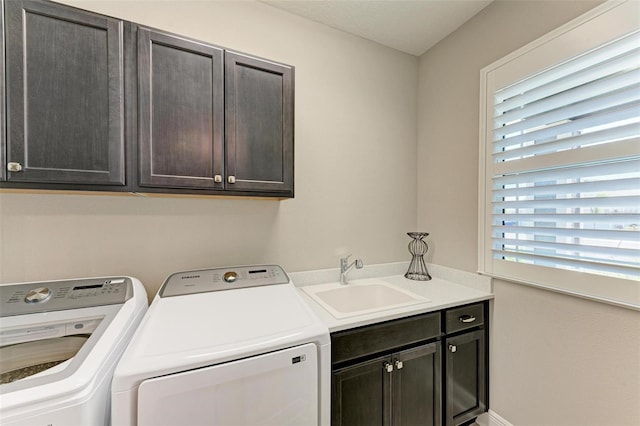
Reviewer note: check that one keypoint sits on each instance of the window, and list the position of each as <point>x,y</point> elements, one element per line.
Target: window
<point>560,158</point>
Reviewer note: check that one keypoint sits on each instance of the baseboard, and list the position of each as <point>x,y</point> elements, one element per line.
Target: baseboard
<point>491,418</point>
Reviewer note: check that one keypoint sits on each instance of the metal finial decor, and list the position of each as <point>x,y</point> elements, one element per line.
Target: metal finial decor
<point>418,248</point>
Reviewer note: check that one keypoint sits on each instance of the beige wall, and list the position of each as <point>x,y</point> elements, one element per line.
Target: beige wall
<point>355,133</point>
<point>555,359</point>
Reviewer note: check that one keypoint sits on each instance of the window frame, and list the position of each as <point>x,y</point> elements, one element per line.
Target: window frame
<point>602,24</point>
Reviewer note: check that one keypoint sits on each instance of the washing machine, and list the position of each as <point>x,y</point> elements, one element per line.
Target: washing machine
<point>226,346</point>
<point>59,344</point>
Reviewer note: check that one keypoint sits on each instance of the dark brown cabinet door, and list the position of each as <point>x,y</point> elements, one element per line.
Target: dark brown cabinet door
<point>64,83</point>
<point>361,394</point>
<point>259,124</point>
<point>3,146</point>
<point>466,377</point>
<point>416,394</point>
<point>403,389</point>
<point>180,112</point>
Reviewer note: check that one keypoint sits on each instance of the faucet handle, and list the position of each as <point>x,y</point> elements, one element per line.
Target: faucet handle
<point>359,264</point>
<point>344,261</point>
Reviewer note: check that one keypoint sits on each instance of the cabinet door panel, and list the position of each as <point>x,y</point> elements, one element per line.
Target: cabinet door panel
<point>259,124</point>
<point>180,112</point>
<point>416,386</point>
<point>3,151</point>
<point>466,391</point>
<point>360,395</point>
<point>65,94</point>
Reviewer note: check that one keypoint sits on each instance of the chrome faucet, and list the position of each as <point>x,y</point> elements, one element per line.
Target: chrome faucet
<point>345,267</point>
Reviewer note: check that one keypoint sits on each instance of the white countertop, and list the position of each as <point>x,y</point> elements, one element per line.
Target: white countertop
<point>447,288</point>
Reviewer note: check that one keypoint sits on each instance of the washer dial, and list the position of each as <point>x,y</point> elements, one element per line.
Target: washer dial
<point>38,295</point>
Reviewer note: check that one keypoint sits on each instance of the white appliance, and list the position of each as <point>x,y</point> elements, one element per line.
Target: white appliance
<point>228,346</point>
<point>59,344</point>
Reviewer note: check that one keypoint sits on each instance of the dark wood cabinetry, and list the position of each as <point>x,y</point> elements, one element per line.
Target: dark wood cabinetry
<point>388,374</point>
<point>259,124</point>
<point>416,386</point>
<point>395,374</point>
<point>400,389</point>
<point>65,96</point>
<point>360,394</point>
<point>3,146</point>
<point>466,381</point>
<point>97,103</point>
<point>466,363</point>
<point>212,120</point>
<point>180,112</point>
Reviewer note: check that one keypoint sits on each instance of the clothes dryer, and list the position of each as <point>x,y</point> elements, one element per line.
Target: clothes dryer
<point>59,345</point>
<point>226,346</point>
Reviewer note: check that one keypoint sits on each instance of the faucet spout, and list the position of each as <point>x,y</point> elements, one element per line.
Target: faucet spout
<point>345,267</point>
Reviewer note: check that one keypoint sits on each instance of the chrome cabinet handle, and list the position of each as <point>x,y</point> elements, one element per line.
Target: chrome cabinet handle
<point>467,319</point>
<point>217,178</point>
<point>388,367</point>
<point>14,167</point>
<point>231,179</point>
<point>453,348</point>
<point>399,364</point>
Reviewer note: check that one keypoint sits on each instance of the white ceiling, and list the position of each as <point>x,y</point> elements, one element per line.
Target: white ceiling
<point>409,26</point>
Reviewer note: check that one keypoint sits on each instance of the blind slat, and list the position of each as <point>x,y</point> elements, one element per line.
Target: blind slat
<point>632,272</point>
<point>625,112</point>
<point>630,94</point>
<point>570,203</point>
<point>586,219</point>
<point>577,94</point>
<point>572,188</point>
<point>550,146</point>
<point>631,165</point>
<point>564,247</point>
<point>601,234</point>
<point>597,56</point>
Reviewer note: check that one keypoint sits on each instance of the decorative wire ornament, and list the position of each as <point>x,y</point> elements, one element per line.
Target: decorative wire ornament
<point>418,248</point>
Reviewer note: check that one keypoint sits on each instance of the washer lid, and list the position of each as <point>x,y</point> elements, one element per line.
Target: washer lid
<point>196,330</point>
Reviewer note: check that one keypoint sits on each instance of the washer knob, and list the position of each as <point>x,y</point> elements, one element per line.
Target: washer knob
<point>38,295</point>
<point>230,276</point>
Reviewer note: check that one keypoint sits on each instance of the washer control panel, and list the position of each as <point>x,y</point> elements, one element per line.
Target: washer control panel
<point>219,279</point>
<point>28,298</point>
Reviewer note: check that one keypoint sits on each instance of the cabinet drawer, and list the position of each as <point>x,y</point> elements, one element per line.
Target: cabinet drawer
<point>356,343</point>
<point>464,318</point>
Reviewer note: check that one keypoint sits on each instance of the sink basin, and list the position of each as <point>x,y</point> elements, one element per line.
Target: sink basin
<point>363,297</point>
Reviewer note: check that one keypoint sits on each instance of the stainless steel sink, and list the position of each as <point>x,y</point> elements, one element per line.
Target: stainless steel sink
<point>361,297</point>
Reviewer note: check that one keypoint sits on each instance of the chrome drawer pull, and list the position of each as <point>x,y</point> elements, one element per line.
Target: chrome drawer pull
<point>467,319</point>
<point>388,367</point>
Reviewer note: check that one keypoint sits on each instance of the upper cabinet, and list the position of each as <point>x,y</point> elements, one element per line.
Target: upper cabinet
<point>97,103</point>
<point>65,96</point>
<point>3,151</point>
<point>212,120</point>
<point>180,112</point>
<point>259,124</point>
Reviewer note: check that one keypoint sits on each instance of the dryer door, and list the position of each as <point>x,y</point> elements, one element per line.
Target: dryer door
<point>279,388</point>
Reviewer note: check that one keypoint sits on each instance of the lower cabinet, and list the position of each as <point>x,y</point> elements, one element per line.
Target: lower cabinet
<point>429,369</point>
<point>465,377</point>
<point>400,389</point>
<point>466,363</point>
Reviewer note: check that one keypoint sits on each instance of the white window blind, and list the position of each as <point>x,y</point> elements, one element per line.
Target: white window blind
<point>562,174</point>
